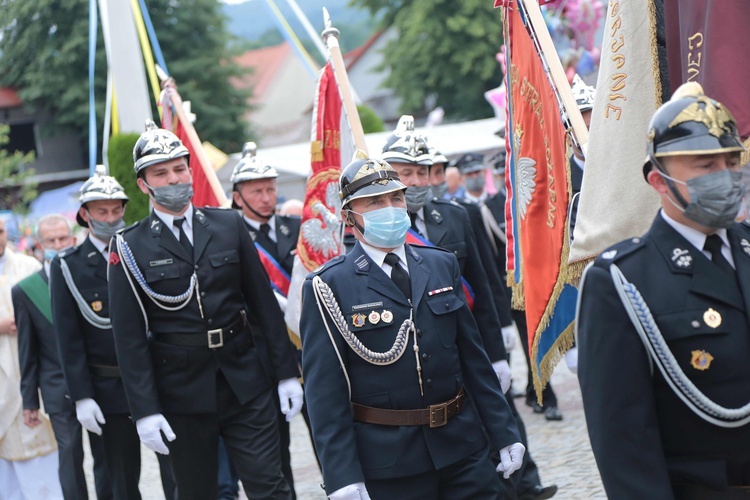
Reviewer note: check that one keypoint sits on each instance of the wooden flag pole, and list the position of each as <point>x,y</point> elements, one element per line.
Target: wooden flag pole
<point>330,36</point>
<point>551,61</point>
<point>195,142</point>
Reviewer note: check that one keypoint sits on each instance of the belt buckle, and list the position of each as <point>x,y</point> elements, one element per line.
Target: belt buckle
<point>215,344</point>
<point>438,415</point>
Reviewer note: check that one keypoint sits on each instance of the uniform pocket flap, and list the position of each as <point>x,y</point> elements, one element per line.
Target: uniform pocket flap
<point>684,324</point>
<point>222,258</point>
<point>444,303</point>
<point>162,273</point>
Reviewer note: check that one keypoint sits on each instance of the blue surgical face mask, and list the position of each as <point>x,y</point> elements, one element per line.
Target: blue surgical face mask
<point>386,227</point>
<point>49,254</point>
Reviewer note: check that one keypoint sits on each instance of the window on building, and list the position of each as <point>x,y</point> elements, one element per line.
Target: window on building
<point>22,138</point>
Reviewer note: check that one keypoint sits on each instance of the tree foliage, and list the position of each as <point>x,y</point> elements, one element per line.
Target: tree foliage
<point>16,191</point>
<point>44,46</point>
<point>370,121</point>
<point>120,155</point>
<point>444,53</point>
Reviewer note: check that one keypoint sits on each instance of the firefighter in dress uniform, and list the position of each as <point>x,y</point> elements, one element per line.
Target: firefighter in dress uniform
<point>275,236</point>
<point>185,284</point>
<point>663,332</point>
<point>403,400</point>
<point>80,307</point>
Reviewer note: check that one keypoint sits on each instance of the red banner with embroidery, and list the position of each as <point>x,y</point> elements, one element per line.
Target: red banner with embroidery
<point>538,201</point>
<point>280,280</point>
<point>413,238</point>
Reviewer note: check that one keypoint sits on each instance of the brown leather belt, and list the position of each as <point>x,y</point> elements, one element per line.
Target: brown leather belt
<point>212,339</point>
<point>436,415</point>
<point>108,371</point>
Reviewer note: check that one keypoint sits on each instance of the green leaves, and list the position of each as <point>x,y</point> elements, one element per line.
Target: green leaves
<point>445,50</point>
<point>44,56</point>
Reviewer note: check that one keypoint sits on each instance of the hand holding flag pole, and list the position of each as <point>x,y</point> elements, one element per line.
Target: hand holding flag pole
<point>168,84</point>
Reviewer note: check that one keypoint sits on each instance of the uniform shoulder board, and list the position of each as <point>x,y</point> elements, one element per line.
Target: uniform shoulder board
<point>336,260</point>
<point>441,201</point>
<point>128,228</point>
<point>69,251</point>
<point>746,223</point>
<point>619,250</point>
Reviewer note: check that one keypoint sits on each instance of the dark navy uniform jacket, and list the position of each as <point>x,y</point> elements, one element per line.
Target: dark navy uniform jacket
<point>38,358</point>
<point>79,342</point>
<point>490,262</point>
<point>162,377</point>
<point>643,436</point>
<point>449,227</point>
<point>287,234</point>
<point>451,355</point>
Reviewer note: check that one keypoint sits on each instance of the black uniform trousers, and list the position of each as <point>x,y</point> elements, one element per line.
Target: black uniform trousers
<point>69,437</point>
<point>473,478</point>
<point>251,436</point>
<point>122,449</point>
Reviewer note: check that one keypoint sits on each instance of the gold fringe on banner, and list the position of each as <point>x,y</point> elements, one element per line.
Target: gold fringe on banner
<point>565,340</point>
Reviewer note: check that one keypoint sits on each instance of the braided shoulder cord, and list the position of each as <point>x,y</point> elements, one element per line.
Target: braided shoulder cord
<point>90,316</point>
<point>324,293</point>
<point>644,323</point>
<point>183,299</point>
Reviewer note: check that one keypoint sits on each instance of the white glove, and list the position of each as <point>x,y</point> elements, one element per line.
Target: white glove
<point>502,370</point>
<point>510,333</point>
<point>571,359</point>
<point>356,491</point>
<point>290,389</point>
<point>150,429</point>
<point>90,415</point>
<point>511,458</point>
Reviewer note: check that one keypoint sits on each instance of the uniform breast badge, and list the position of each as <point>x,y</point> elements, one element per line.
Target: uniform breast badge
<point>96,305</point>
<point>358,320</point>
<point>712,318</point>
<point>386,316</point>
<point>701,360</point>
<point>374,317</point>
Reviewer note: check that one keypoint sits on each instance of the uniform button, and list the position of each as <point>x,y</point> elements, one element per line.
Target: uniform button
<point>210,322</point>
<point>196,267</point>
<point>426,357</point>
<point>636,240</point>
<point>226,259</point>
<point>429,381</point>
<point>203,294</point>
<point>162,275</point>
<point>96,294</point>
<point>419,332</point>
<point>447,305</point>
<point>695,324</point>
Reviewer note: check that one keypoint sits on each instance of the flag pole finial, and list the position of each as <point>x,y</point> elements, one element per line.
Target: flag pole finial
<point>329,30</point>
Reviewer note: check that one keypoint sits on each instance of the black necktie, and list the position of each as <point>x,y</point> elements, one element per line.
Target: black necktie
<point>399,276</point>
<point>184,241</point>
<point>265,229</point>
<point>713,246</point>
